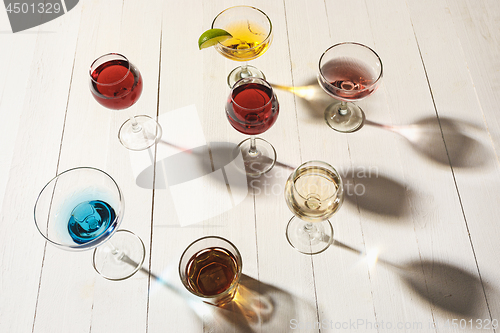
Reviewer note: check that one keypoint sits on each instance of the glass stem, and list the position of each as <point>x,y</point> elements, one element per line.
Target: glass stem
<point>135,126</point>
<point>116,252</point>
<point>308,227</point>
<point>253,147</point>
<point>244,71</point>
<point>343,108</point>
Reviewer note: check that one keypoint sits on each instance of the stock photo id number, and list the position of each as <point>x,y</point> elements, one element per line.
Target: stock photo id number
<point>27,14</point>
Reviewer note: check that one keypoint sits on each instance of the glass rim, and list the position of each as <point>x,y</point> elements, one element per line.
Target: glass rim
<point>351,43</point>
<point>269,34</point>
<point>262,82</point>
<point>293,177</point>
<point>106,55</point>
<point>237,275</point>
<point>99,239</point>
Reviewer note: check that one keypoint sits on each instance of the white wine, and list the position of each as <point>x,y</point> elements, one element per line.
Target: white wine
<point>314,193</point>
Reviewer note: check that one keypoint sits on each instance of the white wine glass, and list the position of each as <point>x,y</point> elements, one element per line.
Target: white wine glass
<point>314,193</point>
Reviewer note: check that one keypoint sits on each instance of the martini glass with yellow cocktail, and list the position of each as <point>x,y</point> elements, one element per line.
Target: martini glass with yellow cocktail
<point>251,34</point>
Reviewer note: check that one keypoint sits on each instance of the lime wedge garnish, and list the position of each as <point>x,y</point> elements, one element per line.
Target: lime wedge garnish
<point>212,37</point>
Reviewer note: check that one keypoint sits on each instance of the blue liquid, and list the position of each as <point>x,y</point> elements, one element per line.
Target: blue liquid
<point>89,220</point>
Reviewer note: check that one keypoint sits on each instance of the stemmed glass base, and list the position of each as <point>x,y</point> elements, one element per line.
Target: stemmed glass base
<point>139,133</point>
<point>259,156</point>
<point>344,117</point>
<point>309,238</point>
<point>242,72</point>
<point>120,257</point>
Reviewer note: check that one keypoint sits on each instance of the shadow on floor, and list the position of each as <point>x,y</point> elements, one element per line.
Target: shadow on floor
<point>446,287</point>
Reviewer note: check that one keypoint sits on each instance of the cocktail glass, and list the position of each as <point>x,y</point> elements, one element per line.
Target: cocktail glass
<point>81,209</point>
<point>252,33</point>
<point>348,72</point>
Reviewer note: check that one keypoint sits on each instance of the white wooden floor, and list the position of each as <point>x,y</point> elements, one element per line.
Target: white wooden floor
<point>416,241</point>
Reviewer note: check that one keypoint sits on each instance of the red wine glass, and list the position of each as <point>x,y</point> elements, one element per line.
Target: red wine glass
<point>117,84</point>
<point>348,72</point>
<point>252,108</point>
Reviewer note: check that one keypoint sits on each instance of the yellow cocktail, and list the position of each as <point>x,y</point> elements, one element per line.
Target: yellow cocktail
<point>252,34</point>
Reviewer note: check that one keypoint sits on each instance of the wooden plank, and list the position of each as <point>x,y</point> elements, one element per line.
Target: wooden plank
<point>477,30</point>
<point>464,92</point>
<point>289,282</point>
<point>179,86</point>
<point>434,207</point>
<point>141,44</point>
<point>339,276</point>
<point>35,154</point>
<point>92,130</point>
<point>16,62</point>
<point>203,85</point>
